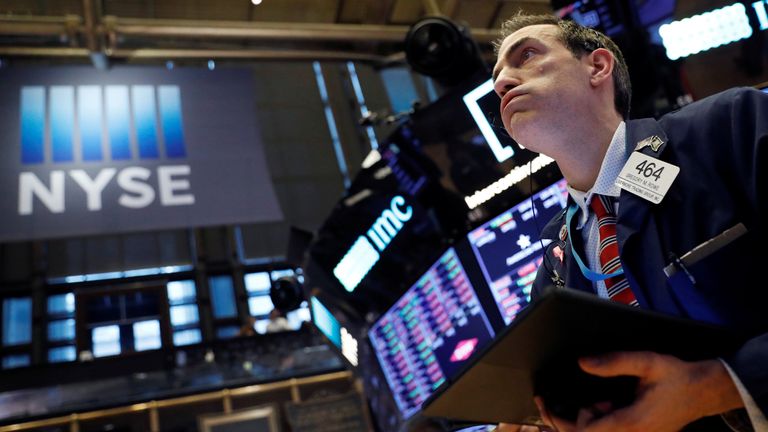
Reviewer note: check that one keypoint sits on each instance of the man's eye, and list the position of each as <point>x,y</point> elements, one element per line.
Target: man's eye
<point>526,54</point>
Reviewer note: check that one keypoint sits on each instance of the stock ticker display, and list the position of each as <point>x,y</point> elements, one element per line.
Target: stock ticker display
<point>508,249</point>
<point>429,333</point>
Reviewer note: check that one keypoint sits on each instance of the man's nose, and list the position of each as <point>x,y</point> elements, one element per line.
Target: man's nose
<point>504,83</point>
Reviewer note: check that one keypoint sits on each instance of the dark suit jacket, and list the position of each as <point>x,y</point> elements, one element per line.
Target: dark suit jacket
<point>721,146</point>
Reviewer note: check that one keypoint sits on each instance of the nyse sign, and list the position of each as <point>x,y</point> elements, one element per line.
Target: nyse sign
<point>85,108</point>
<point>137,193</point>
<point>129,149</point>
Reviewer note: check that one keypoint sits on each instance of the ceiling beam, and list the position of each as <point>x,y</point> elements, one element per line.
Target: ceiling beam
<point>263,30</point>
<point>171,54</point>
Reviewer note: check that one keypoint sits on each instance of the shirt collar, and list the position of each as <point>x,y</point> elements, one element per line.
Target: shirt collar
<point>605,184</point>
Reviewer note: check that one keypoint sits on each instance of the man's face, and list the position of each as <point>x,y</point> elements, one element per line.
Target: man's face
<point>542,87</point>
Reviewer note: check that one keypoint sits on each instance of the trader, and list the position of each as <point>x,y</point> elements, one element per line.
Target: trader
<point>644,194</point>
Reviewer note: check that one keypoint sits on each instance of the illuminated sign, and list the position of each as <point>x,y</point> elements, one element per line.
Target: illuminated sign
<point>710,30</point>
<point>93,152</point>
<point>365,252</point>
<point>515,175</point>
<point>91,110</point>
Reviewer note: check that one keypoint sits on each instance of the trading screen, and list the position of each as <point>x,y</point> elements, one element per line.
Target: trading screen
<point>338,335</point>
<point>509,251</point>
<point>429,333</point>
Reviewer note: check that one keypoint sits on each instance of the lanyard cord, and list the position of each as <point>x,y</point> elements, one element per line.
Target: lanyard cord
<point>589,274</point>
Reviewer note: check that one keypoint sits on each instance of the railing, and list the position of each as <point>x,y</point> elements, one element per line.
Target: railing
<point>152,408</point>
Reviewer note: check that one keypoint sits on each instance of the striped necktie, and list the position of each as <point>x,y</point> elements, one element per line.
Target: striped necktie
<point>617,286</point>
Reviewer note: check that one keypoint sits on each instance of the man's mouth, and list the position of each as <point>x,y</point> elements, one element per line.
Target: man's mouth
<point>508,98</point>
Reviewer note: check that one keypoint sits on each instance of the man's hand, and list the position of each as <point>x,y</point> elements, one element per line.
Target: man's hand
<point>505,427</point>
<point>671,393</point>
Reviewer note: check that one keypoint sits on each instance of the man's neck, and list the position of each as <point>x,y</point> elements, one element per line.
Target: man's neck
<point>582,165</point>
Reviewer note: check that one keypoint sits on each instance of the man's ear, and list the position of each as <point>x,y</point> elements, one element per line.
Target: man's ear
<point>602,62</point>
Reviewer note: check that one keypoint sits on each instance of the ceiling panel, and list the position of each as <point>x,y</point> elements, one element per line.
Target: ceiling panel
<point>234,10</point>
<point>407,12</point>
<point>475,13</point>
<point>352,11</point>
<point>50,7</point>
<point>319,11</point>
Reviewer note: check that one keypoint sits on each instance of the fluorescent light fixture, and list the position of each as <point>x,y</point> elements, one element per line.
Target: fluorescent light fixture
<point>502,153</point>
<point>708,30</point>
<point>516,175</point>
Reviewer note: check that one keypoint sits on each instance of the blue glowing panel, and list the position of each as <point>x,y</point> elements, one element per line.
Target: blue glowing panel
<point>430,332</point>
<point>187,337</point>
<point>62,354</point>
<point>184,314</point>
<point>61,304</point>
<point>17,321</point>
<point>89,114</point>
<point>260,305</point>
<point>326,322</point>
<point>62,111</point>
<point>258,282</point>
<point>144,118</point>
<point>509,251</point>
<point>222,297</point>
<point>170,117</point>
<point>62,330</point>
<point>181,292</point>
<point>32,124</point>
<point>105,340</point>
<point>118,119</point>
<point>146,335</point>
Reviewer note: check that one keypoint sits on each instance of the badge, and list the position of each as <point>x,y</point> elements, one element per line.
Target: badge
<point>557,251</point>
<point>563,232</point>
<point>647,177</point>
<point>654,142</point>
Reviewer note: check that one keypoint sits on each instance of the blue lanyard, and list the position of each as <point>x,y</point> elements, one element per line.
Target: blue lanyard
<point>589,274</point>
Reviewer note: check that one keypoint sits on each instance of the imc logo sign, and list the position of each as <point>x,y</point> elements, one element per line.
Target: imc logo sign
<point>110,127</point>
<point>367,249</point>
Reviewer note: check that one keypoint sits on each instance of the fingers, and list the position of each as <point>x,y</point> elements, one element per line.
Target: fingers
<point>505,427</point>
<point>639,363</point>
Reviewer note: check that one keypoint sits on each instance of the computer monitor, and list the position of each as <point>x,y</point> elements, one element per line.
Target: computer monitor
<point>339,336</point>
<point>429,333</point>
<point>509,251</point>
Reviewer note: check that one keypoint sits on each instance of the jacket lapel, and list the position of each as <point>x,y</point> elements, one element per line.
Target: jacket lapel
<point>647,137</point>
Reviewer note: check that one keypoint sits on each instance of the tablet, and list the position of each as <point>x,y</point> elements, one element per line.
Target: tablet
<point>540,349</point>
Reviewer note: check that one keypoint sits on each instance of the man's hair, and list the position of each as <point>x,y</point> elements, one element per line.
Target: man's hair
<point>579,40</point>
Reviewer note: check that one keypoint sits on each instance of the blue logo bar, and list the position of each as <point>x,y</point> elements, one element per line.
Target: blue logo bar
<point>118,119</point>
<point>61,107</point>
<point>90,120</point>
<point>170,115</point>
<point>32,124</point>
<point>71,117</point>
<point>144,118</point>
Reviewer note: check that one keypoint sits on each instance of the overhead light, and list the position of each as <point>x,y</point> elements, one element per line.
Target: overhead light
<point>256,2</point>
<point>211,65</point>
